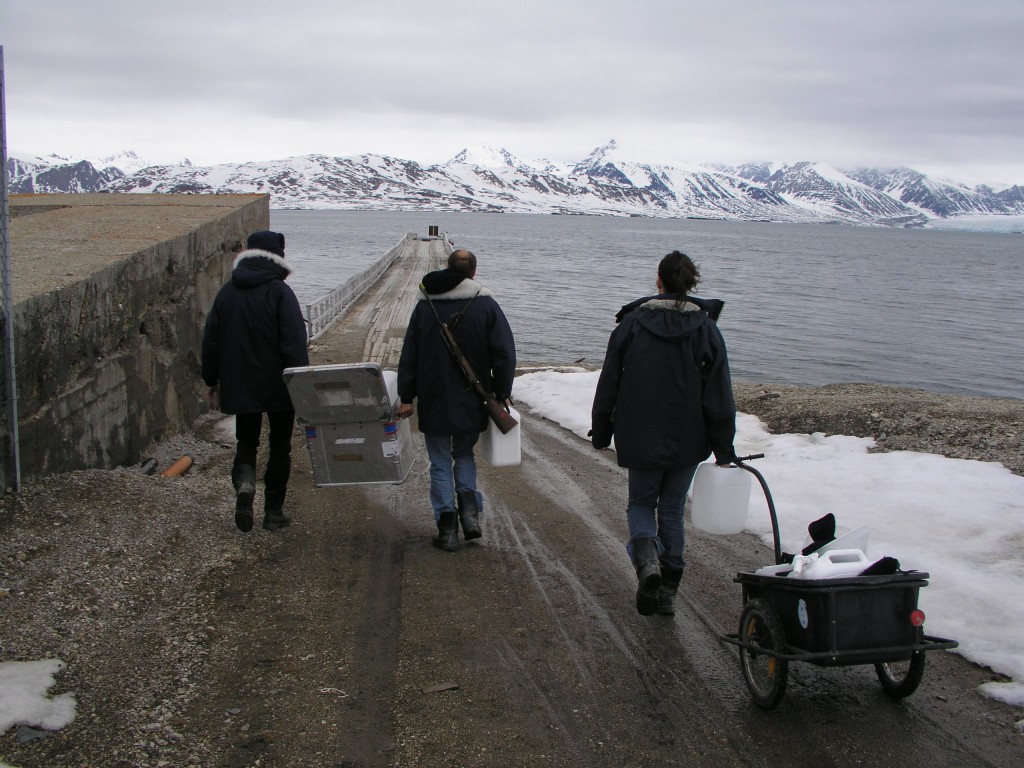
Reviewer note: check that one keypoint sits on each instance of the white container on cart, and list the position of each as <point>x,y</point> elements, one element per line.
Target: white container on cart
<point>720,500</point>
<point>833,564</point>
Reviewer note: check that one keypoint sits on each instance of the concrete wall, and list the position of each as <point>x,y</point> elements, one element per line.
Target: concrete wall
<point>111,293</point>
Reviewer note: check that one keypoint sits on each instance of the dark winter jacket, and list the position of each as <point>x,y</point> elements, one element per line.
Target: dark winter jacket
<point>665,393</point>
<point>254,331</point>
<point>426,371</point>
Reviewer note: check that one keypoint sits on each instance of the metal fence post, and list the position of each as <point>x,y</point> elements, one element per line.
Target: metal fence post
<point>10,382</point>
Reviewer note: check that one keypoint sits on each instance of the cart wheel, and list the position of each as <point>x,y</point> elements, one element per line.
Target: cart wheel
<point>899,679</point>
<point>766,676</point>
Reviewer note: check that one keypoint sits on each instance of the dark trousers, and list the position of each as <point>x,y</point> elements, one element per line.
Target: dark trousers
<point>279,461</point>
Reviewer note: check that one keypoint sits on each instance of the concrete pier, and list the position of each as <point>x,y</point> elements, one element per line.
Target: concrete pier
<point>110,294</point>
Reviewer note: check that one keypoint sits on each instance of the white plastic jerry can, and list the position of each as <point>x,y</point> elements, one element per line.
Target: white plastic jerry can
<point>832,564</point>
<point>721,499</point>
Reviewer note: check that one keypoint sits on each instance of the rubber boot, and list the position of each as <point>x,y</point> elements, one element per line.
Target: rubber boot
<point>648,575</point>
<point>274,516</point>
<point>447,537</point>
<point>244,479</point>
<point>670,578</point>
<point>469,515</point>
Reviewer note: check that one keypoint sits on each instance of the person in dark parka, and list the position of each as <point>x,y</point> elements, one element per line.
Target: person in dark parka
<point>665,395</point>
<point>254,331</point>
<point>451,415</point>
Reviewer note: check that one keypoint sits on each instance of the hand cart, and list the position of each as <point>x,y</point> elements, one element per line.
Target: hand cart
<point>829,622</point>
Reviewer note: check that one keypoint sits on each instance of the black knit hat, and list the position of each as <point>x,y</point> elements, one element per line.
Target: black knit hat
<point>267,241</point>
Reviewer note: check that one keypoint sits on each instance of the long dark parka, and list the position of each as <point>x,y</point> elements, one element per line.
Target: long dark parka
<point>253,332</point>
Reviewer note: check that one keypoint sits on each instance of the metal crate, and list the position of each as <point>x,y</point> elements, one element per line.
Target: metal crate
<point>348,414</point>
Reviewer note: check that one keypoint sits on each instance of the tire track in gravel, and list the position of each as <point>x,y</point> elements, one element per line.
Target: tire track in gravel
<point>587,586</point>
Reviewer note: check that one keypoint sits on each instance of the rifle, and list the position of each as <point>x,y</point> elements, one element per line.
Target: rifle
<point>502,419</point>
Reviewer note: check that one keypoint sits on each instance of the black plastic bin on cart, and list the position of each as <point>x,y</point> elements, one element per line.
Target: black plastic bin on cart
<point>838,621</point>
<point>867,617</point>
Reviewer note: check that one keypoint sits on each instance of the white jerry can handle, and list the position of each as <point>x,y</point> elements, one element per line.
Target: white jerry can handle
<point>831,564</point>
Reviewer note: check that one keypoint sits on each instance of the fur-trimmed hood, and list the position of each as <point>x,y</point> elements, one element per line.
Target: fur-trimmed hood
<point>671,305</point>
<point>467,289</point>
<point>255,266</point>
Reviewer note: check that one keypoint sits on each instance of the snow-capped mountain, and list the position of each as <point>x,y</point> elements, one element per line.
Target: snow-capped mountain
<point>606,182</point>
<point>918,191</point>
<point>820,187</point>
<point>127,162</point>
<point>57,174</point>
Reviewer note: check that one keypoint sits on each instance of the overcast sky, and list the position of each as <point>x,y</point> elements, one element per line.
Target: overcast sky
<point>935,85</point>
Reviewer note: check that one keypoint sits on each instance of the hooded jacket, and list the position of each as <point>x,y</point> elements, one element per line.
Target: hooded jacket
<point>664,392</point>
<point>426,370</point>
<point>254,331</point>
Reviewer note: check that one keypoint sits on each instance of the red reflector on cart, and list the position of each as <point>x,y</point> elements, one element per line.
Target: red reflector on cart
<point>917,618</point>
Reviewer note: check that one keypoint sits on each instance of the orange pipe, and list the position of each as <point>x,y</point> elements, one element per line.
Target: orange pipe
<point>179,467</point>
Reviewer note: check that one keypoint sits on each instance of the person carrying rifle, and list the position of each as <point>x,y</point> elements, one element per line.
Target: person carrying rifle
<point>452,413</point>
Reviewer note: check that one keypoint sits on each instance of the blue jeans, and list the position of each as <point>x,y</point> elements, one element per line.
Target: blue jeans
<point>655,510</point>
<point>452,470</point>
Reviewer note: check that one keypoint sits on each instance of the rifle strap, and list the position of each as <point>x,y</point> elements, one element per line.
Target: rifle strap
<point>452,321</point>
<point>423,290</point>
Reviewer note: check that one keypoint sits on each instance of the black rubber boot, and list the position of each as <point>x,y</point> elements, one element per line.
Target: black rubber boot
<point>670,578</point>
<point>648,575</point>
<point>244,480</point>
<point>274,516</point>
<point>447,537</point>
<point>469,515</point>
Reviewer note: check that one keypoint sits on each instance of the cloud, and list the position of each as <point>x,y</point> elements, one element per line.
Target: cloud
<point>866,80</point>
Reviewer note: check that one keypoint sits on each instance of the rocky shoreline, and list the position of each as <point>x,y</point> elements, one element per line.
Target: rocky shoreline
<point>898,418</point>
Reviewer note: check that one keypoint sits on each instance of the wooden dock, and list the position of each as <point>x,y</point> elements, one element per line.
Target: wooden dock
<point>373,329</point>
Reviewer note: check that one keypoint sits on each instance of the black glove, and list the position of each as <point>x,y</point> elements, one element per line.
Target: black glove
<point>725,458</point>
<point>599,441</point>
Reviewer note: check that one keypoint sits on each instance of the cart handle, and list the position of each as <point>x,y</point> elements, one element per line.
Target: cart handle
<point>739,462</point>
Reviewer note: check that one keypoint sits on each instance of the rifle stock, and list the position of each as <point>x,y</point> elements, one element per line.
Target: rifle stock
<point>502,419</point>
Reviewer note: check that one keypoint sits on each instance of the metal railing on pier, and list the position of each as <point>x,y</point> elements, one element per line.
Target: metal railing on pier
<point>330,307</point>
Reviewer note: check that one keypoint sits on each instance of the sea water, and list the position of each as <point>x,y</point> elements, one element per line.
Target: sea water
<point>804,304</point>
